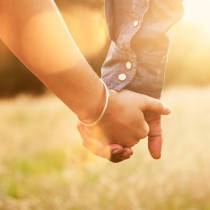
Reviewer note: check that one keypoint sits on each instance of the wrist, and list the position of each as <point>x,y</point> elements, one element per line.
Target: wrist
<point>95,107</point>
<point>112,105</point>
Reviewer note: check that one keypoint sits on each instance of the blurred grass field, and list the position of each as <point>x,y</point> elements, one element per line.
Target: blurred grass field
<point>43,165</point>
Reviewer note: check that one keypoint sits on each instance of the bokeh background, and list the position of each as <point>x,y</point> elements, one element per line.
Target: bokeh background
<point>42,163</point>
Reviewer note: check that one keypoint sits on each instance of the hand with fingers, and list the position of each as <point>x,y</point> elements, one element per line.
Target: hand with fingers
<point>113,152</point>
<point>124,124</point>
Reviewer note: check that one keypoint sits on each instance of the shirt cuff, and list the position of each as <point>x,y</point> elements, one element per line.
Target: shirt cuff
<point>137,56</point>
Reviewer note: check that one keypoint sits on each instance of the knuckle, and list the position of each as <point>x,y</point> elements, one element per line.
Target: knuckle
<point>144,104</point>
<point>133,142</point>
<point>159,104</point>
<point>143,132</point>
<point>146,128</point>
<point>144,135</point>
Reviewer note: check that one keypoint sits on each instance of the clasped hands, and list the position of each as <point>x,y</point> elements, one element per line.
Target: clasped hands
<point>130,117</point>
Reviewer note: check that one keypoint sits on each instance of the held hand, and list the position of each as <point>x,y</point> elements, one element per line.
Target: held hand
<point>114,152</point>
<point>123,123</point>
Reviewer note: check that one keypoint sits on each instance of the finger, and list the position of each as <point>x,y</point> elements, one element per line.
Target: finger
<point>97,148</point>
<point>123,154</point>
<point>92,144</point>
<point>155,138</point>
<point>114,152</point>
<point>126,154</point>
<point>156,106</point>
<point>155,146</point>
<point>116,149</point>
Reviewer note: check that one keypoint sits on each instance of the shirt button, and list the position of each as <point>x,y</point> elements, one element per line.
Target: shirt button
<point>128,65</point>
<point>122,77</point>
<point>135,23</point>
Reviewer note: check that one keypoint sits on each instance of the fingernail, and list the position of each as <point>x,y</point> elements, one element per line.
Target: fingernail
<point>167,108</point>
<point>116,151</point>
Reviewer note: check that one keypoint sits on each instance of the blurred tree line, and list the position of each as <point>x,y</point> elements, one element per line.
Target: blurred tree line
<point>89,3</point>
<point>15,78</point>
<point>189,61</point>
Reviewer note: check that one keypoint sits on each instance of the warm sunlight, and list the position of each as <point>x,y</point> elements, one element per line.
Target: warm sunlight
<point>60,130</point>
<point>198,12</point>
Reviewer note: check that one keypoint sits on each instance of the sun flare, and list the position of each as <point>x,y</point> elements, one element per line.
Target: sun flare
<point>198,12</point>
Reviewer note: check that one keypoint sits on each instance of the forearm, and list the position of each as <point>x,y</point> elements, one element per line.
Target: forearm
<point>36,33</point>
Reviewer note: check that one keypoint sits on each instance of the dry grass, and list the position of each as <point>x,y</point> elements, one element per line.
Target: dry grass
<point>44,167</point>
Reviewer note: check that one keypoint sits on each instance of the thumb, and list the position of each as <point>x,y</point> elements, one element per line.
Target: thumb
<point>155,138</point>
<point>155,106</point>
<point>92,144</point>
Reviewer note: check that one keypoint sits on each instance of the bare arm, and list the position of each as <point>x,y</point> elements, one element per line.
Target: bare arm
<point>36,33</point>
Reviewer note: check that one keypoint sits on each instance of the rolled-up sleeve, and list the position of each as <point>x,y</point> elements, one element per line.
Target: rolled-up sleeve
<point>138,51</point>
